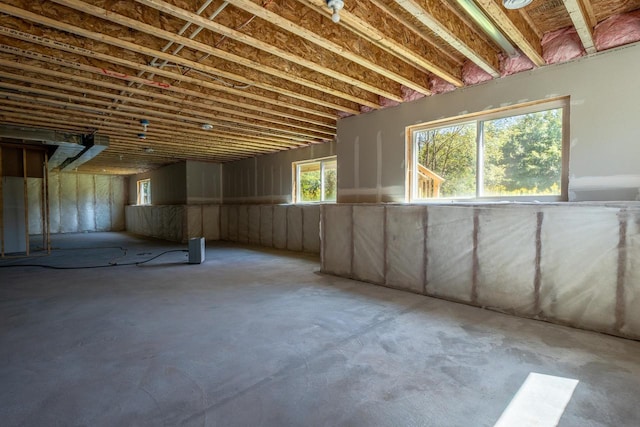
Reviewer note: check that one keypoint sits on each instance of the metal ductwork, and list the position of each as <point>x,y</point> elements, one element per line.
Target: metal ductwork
<point>70,149</point>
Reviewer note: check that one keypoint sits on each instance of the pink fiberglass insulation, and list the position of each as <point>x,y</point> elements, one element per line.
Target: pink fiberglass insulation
<point>365,109</point>
<point>343,114</point>
<point>439,85</point>
<point>561,45</point>
<point>472,74</point>
<point>386,102</point>
<point>617,30</point>
<point>516,64</point>
<point>409,94</point>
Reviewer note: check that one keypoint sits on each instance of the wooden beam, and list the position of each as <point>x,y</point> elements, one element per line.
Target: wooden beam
<point>167,137</point>
<point>581,20</point>
<point>201,112</point>
<point>516,28</point>
<point>178,144</point>
<point>1,206</point>
<point>176,147</point>
<point>336,68</point>
<point>216,143</point>
<point>123,44</point>
<point>145,112</point>
<point>130,145</point>
<point>296,19</point>
<point>26,198</point>
<point>450,28</point>
<point>154,85</point>
<point>203,105</point>
<point>291,75</point>
<point>409,22</point>
<point>363,19</point>
<point>60,45</point>
<point>46,236</point>
<point>172,127</point>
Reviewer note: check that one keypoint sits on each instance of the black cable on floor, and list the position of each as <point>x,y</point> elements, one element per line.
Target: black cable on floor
<point>115,264</point>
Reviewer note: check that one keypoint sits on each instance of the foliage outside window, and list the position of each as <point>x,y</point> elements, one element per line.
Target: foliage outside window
<point>513,153</point>
<point>144,192</point>
<point>316,181</point>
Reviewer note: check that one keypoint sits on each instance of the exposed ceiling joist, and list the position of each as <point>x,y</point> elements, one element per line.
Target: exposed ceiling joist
<point>339,68</point>
<point>363,19</point>
<point>224,80</point>
<point>61,45</point>
<point>317,28</point>
<point>515,27</point>
<point>238,80</point>
<point>333,89</point>
<point>584,22</point>
<point>448,26</point>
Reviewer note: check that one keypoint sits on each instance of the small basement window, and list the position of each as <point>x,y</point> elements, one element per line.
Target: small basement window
<point>315,180</point>
<point>144,192</point>
<point>519,153</point>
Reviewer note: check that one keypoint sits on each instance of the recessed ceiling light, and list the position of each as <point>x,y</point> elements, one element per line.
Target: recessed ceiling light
<point>515,4</point>
<point>206,126</point>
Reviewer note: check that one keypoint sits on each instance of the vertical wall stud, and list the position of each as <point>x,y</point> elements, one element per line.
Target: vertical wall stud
<point>43,202</point>
<point>26,198</point>
<point>46,206</point>
<point>1,207</point>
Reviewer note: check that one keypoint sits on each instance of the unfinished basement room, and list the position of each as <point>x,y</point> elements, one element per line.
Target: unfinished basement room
<point>356,213</point>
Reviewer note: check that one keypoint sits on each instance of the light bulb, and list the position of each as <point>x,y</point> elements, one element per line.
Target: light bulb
<point>335,6</point>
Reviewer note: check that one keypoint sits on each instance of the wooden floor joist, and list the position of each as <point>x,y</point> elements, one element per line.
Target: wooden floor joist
<point>223,80</point>
<point>219,53</point>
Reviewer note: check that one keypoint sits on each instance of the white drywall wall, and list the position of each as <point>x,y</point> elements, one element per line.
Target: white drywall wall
<point>603,162</point>
<point>267,178</point>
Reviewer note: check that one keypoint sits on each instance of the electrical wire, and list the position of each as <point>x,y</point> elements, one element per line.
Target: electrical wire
<point>112,264</point>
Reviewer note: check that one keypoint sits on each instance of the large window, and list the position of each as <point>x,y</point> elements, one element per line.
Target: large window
<point>315,180</point>
<point>144,192</point>
<point>514,153</point>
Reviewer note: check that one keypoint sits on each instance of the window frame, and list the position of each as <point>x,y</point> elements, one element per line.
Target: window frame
<point>479,118</point>
<point>139,184</point>
<point>295,196</point>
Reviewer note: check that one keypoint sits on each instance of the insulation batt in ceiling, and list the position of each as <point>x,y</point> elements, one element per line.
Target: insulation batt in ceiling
<point>516,64</point>
<point>409,94</point>
<point>385,102</point>
<point>438,85</point>
<point>617,30</point>
<point>561,45</point>
<point>472,74</point>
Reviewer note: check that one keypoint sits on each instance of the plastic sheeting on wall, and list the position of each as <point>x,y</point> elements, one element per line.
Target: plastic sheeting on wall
<point>574,264</point>
<point>34,193</point>
<point>292,227</point>
<point>617,30</point>
<point>176,223</point>
<point>80,202</point>
<point>162,222</point>
<point>561,45</point>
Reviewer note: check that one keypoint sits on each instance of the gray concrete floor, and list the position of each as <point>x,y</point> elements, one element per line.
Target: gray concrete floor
<point>257,337</point>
